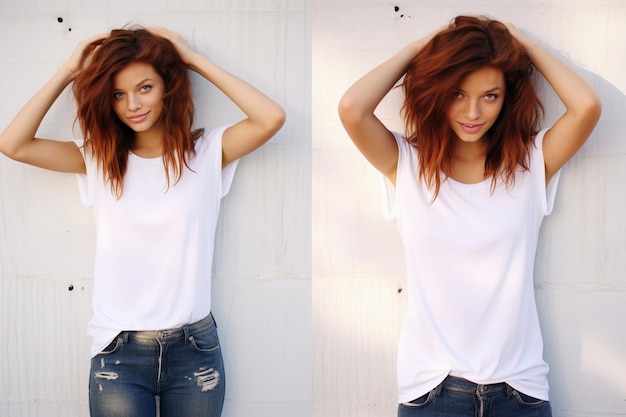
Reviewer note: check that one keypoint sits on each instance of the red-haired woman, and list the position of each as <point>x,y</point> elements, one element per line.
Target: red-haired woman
<point>469,184</point>
<point>155,186</point>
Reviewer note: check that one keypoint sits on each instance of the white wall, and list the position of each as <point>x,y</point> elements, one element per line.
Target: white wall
<point>262,285</point>
<point>358,266</point>
<point>262,298</point>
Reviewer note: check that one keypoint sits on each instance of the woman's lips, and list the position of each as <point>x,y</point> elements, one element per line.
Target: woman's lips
<point>138,118</point>
<point>470,128</point>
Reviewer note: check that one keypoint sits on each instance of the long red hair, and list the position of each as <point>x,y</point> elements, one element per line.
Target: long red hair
<point>468,44</point>
<point>106,137</point>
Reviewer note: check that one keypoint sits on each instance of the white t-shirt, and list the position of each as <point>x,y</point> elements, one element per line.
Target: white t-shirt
<point>154,246</point>
<point>470,257</point>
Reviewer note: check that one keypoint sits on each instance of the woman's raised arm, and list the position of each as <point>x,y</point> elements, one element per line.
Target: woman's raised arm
<point>357,106</point>
<point>18,140</point>
<point>264,116</point>
<point>582,106</point>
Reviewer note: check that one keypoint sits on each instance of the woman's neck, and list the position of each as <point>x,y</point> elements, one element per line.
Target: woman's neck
<point>468,164</point>
<point>148,144</point>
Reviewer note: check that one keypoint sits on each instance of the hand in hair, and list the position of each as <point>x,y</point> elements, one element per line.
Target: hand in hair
<point>357,106</point>
<point>582,104</point>
<point>18,140</point>
<point>185,51</point>
<point>264,117</point>
<point>81,56</point>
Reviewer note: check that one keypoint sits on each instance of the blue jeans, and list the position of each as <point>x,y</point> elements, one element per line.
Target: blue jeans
<point>457,397</point>
<point>183,367</point>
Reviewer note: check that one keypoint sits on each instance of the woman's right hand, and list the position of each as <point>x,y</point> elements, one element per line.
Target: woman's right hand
<point>19,141</point>
<point>81,56</point>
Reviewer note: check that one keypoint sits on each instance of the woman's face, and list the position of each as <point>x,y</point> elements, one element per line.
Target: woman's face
<point>476,104</point>
<point>138,97</point>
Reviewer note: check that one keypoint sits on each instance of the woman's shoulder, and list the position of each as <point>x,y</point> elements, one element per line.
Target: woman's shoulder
<point>210,135</point>
<point>538,139</point>
<point>404,146</point>
<point>535,151</point>
<point>208,142</point>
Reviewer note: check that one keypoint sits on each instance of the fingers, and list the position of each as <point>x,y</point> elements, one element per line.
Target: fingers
<point>84,50</point>
<point>512,29</point>
<point>160,31</point>
<point>166,33</point>
<point>96,38</point>
<point>185,51</point>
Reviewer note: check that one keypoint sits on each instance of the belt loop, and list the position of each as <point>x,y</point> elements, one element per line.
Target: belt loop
<point>186,332</point>
<point>439,388</point>
<point>124,337</point>
<point>509,391</point>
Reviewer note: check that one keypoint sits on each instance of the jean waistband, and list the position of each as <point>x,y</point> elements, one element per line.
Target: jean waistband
<point>453,383</point>
<point>175,333</point>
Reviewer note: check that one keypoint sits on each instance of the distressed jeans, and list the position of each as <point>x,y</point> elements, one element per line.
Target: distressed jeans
<point>183,367</point>
<point>457,397</point>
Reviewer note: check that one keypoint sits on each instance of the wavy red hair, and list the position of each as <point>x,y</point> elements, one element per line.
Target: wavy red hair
<point>106,137</point>
<point>468,44</point>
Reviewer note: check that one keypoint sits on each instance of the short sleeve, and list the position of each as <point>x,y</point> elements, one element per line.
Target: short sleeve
<point>538,163</point>
<point>389,191</point>
<point>214,138</point>
<point>228,174</point>
<point>85,186</point>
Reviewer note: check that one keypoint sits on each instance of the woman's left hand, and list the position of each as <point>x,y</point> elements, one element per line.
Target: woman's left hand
<point>264,117</point>
<point>514,31</point>
<point>185,51</point>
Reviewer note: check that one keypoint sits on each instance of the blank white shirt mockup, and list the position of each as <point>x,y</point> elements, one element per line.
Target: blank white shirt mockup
<point>154,246</point>
<point>470,257</point>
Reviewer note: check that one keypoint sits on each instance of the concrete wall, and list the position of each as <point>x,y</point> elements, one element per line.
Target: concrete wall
<point>358,272</point>
<point>262,297</point>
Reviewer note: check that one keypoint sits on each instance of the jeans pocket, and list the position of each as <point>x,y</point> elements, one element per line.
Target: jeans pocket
<point>527,400</point>
<point>421,402</point>
<point>205,341</point>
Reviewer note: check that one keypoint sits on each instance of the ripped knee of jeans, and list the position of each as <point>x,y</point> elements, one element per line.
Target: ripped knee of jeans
<point>207,379</point>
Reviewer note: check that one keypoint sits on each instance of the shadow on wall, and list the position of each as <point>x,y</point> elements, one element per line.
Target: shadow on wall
<point>581,297</point>
<point>581,289</point>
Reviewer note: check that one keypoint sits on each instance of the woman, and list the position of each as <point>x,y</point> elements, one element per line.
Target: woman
<point>469,185</point>
<point>155,186</point>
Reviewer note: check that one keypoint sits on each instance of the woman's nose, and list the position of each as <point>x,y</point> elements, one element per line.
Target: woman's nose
<point>134,103</point>
<point>472,110</point>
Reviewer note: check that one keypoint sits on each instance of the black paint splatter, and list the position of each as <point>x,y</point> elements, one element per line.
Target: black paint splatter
<point>70,288</point>
<point>60,19</point>
<point>397,9</point>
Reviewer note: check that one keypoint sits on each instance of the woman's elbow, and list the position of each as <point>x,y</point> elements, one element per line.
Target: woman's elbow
<point>352,114</point>
<point>346,108</point>
<point>274,121</point>
<point>591,107</point>
<point>6,149</point>
<point>595,107</point>
<point>279,118</point>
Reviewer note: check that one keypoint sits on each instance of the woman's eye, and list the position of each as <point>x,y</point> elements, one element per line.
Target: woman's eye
<point>457,95</point>
<point>145,88</point>
<point>118,95</point>
<point>491,96</point>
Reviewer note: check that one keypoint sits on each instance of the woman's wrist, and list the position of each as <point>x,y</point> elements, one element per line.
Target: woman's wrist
<point>195,61</point>
<point>68,70</point>
<point>64,75</point>
<point>532,49</point>
<point>413,48</point>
